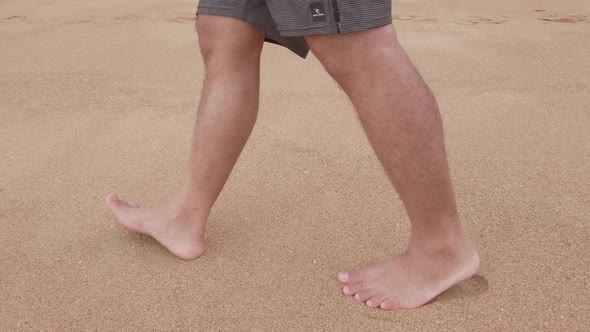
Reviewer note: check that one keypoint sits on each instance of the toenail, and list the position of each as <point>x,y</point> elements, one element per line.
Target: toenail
<point>369,303</point>
<point>345,289</point>
<point>344,276</point>
<point>357,297</point>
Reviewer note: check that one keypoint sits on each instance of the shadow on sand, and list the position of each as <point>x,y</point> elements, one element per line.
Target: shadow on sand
<point>470,288</point>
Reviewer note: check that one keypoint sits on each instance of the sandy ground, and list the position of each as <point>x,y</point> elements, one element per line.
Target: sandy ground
<point>101,95</point>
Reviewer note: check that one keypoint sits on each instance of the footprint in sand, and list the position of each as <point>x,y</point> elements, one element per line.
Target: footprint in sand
<point>472,20</point>
<point>180,19</point>
<point>16,18</point>
<point>413,18</point>
<point>130,18</point>
<point>404,17</point>
<point>564,19</point>
<point>79,21</point>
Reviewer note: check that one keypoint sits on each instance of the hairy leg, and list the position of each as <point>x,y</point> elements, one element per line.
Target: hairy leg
<point>227,113</point>
<point>401,119</point>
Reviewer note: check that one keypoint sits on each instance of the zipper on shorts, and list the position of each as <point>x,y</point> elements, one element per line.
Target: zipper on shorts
<point>336,12</point>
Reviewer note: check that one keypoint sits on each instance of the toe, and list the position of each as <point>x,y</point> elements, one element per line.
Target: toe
<point>390,304</point>
<point>112,199</point>
<point>348,278</point>
<point>364,295</point>
<point>375,301</point>
<point>352,289</point>
<point>115,204</point>
<point>130,204</point>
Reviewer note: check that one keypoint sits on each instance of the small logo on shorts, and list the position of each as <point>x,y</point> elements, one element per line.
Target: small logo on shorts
<point>318,13</point>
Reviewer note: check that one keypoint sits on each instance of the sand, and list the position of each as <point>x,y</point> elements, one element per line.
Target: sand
<point>97,96</point>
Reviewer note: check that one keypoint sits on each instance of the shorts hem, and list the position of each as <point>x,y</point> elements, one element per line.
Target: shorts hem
<point>221,11</point>
<point>306,32</point>
<point>344,28</point>
<point>366,25</point>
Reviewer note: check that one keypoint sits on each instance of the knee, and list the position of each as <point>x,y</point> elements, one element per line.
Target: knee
<point>227,41</point>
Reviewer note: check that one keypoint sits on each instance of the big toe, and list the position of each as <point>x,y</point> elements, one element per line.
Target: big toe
<point>349,278</point>
<point>114,202</point>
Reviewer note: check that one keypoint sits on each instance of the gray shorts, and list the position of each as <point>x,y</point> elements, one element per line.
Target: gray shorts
<point>285,22</point>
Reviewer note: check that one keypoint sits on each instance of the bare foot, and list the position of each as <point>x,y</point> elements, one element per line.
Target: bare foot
<point>411,279</point>
<point>181,233</point>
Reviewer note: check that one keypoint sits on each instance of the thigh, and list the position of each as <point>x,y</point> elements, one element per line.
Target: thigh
<point>253,12</point>
<point>363,15</point>
<point>227,35</point>
<point>257,14</point>
<point>359,59</point>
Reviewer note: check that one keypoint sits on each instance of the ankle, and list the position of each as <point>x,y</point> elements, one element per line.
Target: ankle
<point>186,211</point>
<point>449,243</point>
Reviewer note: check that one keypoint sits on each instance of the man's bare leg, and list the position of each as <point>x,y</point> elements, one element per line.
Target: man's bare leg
<point>401,119</point>
<point>227,113</point>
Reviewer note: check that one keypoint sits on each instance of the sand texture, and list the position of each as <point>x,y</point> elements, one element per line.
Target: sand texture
<point>101,96</point>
